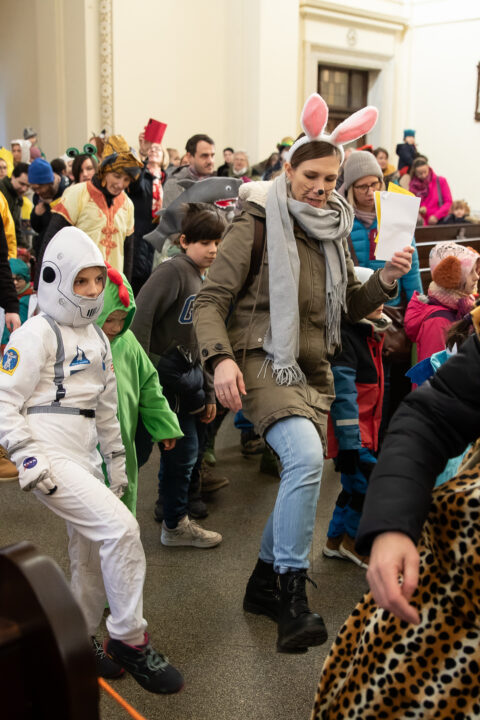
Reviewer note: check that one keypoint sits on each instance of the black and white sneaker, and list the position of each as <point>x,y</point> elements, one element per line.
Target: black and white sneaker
<point>149,668</point>
<point>106,667</point>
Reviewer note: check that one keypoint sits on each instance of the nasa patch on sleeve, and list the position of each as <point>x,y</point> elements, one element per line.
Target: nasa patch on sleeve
<point>29,463</point>
<point>10,360</point>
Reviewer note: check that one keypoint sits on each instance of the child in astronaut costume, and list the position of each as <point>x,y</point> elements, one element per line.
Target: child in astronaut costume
<point>57,402</point>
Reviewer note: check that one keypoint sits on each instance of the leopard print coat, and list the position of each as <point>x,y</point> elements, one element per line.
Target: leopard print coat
<point>383,667</point>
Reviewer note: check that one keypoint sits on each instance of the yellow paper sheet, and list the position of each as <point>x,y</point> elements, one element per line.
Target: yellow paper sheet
<point>398,189</point>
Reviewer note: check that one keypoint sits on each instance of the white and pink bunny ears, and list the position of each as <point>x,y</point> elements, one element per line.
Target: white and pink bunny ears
<point>314,119</point>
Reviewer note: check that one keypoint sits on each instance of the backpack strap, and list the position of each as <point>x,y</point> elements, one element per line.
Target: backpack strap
<point>447,314</point>
<point>353,254</point>
<point>439,193</point>
<point>258,247</point>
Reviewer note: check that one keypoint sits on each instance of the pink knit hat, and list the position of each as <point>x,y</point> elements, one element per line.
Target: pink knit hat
<point>451,263</point>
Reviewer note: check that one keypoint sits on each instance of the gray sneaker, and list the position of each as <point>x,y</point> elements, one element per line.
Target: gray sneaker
<point>188,532</point>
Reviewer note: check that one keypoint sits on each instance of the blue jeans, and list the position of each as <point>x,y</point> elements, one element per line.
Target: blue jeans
<point>287,536</point>
<point>176,470</point>
<point>348,510</point>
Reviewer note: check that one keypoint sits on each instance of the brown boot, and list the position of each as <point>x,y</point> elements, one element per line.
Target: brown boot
<point>8,471</point>
<point>210,482</point>
<point>347,550</point>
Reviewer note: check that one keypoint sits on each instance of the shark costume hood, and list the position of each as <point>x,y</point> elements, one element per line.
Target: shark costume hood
<point>69,251</point>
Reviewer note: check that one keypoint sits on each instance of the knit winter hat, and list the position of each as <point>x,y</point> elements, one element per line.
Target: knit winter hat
<point>18,267</point>
<point>29,132</point>
<point>40,172</point>
<point>408,133</point>
<point>451,263</point>
<point>360,164</point>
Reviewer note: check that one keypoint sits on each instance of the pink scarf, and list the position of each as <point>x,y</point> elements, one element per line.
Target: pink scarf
<point>420,187</point>
<point>453,299</point>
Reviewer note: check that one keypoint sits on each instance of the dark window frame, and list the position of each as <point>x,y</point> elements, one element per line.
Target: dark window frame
<point>338,114</point>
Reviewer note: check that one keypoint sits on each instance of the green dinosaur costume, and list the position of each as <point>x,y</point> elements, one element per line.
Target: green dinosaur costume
<point>138,388</point>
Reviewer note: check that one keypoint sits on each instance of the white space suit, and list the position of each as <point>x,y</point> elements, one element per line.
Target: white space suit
<point>58,400</point>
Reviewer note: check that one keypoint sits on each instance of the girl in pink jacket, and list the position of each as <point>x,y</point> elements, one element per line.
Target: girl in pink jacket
<point>433,190</point>
<point>455,271</point>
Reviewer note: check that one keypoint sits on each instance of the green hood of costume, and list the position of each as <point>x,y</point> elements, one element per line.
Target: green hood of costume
<point>112,303</point>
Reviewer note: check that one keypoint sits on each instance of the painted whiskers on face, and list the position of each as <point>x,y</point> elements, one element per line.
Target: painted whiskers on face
<point>313,181</point>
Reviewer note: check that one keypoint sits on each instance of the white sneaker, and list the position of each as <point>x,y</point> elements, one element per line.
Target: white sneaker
<point>188,532</point>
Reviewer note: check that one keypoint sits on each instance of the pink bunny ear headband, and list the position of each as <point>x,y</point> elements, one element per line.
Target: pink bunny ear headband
<point>314,119</point>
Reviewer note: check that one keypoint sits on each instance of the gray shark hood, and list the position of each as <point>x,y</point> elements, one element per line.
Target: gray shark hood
<point>219,191</point>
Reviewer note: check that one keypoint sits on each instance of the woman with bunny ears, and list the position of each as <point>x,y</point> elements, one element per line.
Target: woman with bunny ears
<point>267,320</point>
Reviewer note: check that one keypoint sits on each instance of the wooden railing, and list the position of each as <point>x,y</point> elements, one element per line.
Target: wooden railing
<point>427,237</point>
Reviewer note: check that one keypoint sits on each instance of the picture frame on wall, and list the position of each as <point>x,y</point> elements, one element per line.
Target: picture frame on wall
<point>477,100</point>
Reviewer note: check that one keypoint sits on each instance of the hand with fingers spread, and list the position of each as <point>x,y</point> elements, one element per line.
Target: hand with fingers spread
<point>229,384</point>
<point>394,554</point>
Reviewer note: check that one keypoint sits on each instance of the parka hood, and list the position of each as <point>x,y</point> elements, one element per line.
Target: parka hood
<point>418,310</point>
<point>113,302</point>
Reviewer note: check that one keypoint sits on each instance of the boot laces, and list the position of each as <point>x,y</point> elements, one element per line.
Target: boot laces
<point>154,660</point>
<point>297,590</point>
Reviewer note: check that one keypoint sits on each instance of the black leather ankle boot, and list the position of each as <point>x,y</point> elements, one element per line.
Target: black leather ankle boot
<point>298,627</point>
<point>261,595</point>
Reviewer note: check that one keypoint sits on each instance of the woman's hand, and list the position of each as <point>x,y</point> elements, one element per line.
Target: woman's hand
<point>229,384</point>
<point>398,266</point>
<point>394,554</point>
<point>432,220</point>
<point>209,413</point>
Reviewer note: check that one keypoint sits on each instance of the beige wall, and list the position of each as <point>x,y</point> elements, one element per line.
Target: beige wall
<point>46,80</point>
<point>228,69</point>
<point>18,88</point>
<point>445,52</point>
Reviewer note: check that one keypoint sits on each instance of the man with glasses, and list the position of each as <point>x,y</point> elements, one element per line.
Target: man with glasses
<point>14,189</point>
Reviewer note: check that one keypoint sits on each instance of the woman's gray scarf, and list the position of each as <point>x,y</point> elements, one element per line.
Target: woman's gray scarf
<point>327,226</point>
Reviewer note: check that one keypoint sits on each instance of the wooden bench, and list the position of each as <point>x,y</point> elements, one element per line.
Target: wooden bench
<point>427,237</point>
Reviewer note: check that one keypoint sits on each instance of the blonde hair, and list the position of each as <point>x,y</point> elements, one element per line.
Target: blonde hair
<point>460,205</point>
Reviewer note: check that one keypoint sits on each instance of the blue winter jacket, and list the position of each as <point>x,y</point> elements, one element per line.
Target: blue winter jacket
<point>363,240</point>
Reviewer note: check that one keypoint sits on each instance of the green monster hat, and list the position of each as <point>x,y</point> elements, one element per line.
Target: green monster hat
<point>118,296</point>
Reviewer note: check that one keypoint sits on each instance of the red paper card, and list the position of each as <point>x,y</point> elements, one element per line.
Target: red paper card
<point>154,131</point>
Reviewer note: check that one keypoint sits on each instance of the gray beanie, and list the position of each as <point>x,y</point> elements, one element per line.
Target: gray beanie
<point>360,164</point>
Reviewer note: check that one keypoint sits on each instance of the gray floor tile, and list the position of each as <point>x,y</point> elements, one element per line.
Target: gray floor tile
<point>193,598</point>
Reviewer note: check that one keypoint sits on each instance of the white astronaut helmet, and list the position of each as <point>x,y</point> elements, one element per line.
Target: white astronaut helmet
<point>68,252</point>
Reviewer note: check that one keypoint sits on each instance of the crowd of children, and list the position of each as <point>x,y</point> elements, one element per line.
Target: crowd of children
<point>91,377</point>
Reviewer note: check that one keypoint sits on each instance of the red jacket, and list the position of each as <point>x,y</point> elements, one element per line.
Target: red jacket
<point>356,412</point>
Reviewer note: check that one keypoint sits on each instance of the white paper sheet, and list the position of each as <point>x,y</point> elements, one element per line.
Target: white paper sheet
<point>399,215</point>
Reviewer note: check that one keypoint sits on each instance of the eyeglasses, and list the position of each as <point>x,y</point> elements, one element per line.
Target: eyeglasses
<point>365,188</point>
